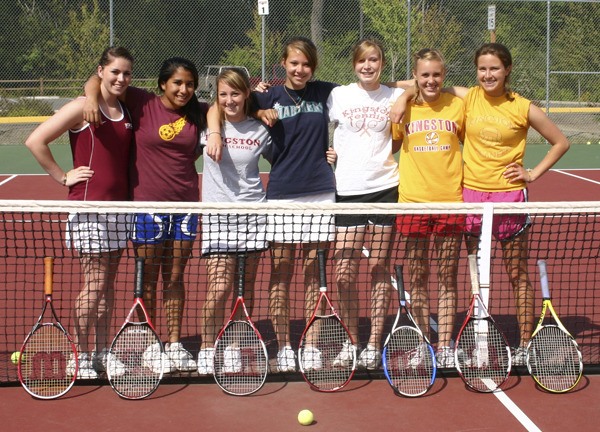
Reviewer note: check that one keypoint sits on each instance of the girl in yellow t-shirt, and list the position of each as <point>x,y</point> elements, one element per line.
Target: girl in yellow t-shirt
<point>431,171</point>
<point>497,120</point>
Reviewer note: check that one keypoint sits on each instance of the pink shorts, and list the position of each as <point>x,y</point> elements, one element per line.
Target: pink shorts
<point>504,227</point>
<point>416,225</point>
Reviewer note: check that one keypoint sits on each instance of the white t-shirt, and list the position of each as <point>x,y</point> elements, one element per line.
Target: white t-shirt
<point>363,139</point>
<point>236,177</point>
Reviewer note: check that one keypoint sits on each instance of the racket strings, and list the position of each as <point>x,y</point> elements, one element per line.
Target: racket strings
<point>483,357</point>
<point>240,361</point>
<point>409,362</point>
<point>554,359</point>
<point>139,351</point>
<point>45,362</point>
<point>325,341</point>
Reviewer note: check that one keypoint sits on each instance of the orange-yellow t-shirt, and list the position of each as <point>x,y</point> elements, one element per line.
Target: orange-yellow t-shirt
<point>430,159</point>
<point>495,135</point>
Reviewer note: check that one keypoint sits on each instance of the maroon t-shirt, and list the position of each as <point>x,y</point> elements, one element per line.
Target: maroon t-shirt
<point>165,151</point>
<point>106,150</point>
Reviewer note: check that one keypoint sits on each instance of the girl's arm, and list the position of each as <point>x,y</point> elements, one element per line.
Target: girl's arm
<point>214,143</point>
<point>91,108</point>
<point>559,142</point>
<point>68,117</point>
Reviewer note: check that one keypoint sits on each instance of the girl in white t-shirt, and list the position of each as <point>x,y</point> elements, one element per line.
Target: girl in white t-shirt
<point>244,141</point>
<point>366,171</point>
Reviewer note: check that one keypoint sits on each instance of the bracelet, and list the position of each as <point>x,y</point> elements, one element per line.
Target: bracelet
<point>529,170</point>
<point>210,133</point>
<point>64,179</point>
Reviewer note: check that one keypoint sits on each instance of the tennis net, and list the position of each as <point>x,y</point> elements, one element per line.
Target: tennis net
<point>566,235</point>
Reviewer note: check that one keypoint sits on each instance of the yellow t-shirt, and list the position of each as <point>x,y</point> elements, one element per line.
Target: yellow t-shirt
<point>495,135</point>
<point>430,159</point>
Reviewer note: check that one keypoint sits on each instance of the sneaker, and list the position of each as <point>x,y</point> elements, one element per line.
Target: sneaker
<point>286,360</point>
<point>156,360</point>
<point>519,356</point>
<point>444,357</point>
<point>311,359</point>
<point>103,361</point>
<point>85,370</point>
<point>180,357</point>
<point>369,358</point>
<point>346,355</point>
<point>206,359</point>
<point>232,360</point>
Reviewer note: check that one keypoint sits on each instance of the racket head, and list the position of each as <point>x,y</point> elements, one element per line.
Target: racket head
<point>135,361</point>
<point>48,363</point>
<point>554,359</point>
<point>482,355</point>
<point>323,340</point>
<point>241,362</point>
<point>409,362</point>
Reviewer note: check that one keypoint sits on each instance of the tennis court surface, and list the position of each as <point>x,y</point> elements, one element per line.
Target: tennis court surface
<point>566,235</point>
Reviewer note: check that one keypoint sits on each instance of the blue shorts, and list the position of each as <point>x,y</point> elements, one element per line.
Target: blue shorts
<point>151,228</point>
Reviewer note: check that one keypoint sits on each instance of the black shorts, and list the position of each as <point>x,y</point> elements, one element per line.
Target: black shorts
<point>356,220</point>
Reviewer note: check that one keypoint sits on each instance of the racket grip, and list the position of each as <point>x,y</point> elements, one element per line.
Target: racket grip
<point>321,263</point>
<point>138,291</point>
<point>48,275</point>
<point>241,273</point>
<point>399,276</point>
<point>544,279</point>
<point>474,270</point>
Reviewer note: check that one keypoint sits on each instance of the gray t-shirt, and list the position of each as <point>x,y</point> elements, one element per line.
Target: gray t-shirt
<point>237,176</point>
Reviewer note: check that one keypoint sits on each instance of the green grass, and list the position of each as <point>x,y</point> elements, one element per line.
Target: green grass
<point>18,160</point>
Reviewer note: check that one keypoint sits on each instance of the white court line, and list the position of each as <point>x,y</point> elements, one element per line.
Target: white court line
<point>8,179</point>
<point>577,177</point>
<point>512,407</point>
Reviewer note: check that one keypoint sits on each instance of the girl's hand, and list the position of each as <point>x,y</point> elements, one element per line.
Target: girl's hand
<point>268,117</point>
<point>214,146</point>
<point>76,175</point>
<point>331,156</point>
<point>515,173</point>
<point>262,87</point>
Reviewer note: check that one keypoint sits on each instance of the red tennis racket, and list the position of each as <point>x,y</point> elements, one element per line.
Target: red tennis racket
<point>241,362</point>
<point>48,362</point>
<point>135,360</point>
<point>322,341</point>
<point>482,355</point>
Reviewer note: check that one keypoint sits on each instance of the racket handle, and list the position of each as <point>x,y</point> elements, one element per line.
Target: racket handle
<point>138,291</point>
<point>474,274</point>
<point>400,283</point>
<point>322,272</point>
<point>241,272</point>
<point>48,275</point>
<point>544,279</point>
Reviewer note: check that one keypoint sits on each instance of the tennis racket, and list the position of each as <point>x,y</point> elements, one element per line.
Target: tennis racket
<point>135,360</point>
<point>553,356</point>
<point>324,341</point>
<point>408,358</point>
<point>482,355</point>
<point>240,360</point>
<point>48,360</point>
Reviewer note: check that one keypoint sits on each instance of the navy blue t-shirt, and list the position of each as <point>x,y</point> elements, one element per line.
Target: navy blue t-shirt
<point>300,140</point>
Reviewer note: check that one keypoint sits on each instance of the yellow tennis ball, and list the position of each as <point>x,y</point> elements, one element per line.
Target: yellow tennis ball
<point>305,417</point>
<point>15,357</point>
<point>589,143</point>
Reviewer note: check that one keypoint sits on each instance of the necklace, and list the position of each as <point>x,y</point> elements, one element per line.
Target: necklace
<point>298,100</point>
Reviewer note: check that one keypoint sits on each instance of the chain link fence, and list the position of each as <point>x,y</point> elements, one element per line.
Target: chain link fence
<point>49,47</point>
